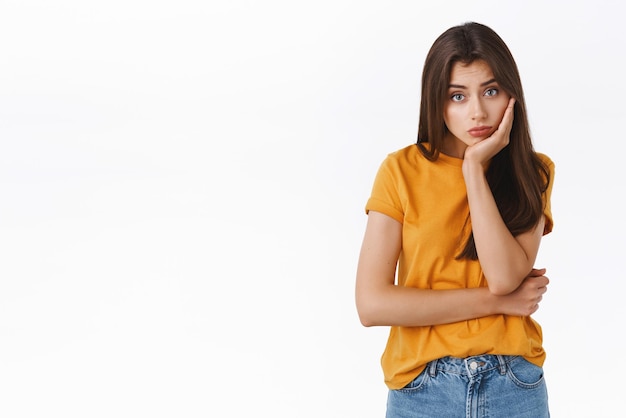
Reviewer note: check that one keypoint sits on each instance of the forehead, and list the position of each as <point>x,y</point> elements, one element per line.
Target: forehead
<point>476,72</point>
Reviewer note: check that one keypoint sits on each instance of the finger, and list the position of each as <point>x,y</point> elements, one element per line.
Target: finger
<point>508,113</point>
<point>507,118</point>
<point>511,104</point>
<point>536,282</point>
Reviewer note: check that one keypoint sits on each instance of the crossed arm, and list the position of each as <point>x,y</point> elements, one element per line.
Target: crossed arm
<point>380,302</point>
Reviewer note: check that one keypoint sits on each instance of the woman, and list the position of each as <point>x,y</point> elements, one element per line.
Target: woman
<point>458,219</point>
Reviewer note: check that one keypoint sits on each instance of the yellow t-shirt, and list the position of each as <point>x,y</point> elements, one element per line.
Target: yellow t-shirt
<point>430,200</point>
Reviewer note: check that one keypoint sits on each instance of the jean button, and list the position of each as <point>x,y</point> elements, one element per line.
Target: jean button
<point>473,365</point>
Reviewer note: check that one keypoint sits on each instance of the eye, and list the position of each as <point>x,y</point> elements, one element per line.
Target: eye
<point>491,91</point>
<point>457,97</point>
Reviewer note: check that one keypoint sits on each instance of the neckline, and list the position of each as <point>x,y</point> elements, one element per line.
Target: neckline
<point>448,159</point>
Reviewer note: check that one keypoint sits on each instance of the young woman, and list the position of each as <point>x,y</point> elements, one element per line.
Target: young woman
<point>454,227</point>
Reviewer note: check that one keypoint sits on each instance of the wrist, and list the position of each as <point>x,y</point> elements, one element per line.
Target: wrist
<point>492,302</point>
<point>472,168</point>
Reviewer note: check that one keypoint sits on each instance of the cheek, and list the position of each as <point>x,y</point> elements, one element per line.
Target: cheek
<point>451,117</point>
<point>498,110</point>
<point>447,114</point>
<point>499,106</point>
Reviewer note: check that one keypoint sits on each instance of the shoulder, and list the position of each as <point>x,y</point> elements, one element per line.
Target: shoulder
<point>545,159</point>
<point>410,151</point>
<point>547,163</point>
<point>407,156</point>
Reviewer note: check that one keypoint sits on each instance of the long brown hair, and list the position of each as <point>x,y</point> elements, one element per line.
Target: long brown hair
<point>516,175</point>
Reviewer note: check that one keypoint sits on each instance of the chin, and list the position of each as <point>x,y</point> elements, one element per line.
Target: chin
<point>475,140</point>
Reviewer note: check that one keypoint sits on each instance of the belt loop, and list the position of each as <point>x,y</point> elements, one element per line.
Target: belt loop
<point>432,368</point>
<point>502,365</point>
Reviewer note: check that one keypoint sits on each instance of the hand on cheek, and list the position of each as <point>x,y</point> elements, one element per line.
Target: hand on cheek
<point>484,150</point>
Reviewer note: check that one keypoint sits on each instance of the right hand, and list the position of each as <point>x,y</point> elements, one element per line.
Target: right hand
<point>524,301</point>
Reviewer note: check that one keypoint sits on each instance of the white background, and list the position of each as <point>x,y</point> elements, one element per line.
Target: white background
<point>182,188</point>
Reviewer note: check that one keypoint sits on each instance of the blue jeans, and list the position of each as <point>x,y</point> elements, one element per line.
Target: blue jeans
<point>479,386</point>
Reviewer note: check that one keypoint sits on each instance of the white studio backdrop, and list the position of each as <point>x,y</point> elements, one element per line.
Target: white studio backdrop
<point>182,188</point>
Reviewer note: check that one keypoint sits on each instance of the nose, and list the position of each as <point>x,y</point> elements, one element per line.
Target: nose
<point>477,109</point>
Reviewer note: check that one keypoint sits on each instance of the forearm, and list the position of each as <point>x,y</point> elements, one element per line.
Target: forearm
<point>403,306</point>
<point>504,261</point>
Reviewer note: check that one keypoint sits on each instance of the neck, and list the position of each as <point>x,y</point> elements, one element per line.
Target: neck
<point>453,147</point>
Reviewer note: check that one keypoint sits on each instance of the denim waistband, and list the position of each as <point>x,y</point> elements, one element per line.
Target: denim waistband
<point>470,366</point>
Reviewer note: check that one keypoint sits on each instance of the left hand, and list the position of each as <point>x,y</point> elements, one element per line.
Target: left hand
<point>484,150</point>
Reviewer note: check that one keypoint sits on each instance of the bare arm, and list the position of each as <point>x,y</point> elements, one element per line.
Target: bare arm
<point>506,260</point>
<point>380,302</point>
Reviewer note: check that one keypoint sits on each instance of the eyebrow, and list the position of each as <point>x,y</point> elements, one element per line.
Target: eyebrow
<point>458,86</point>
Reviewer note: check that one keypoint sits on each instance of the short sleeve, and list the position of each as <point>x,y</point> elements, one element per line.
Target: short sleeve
<point>547,196</point>
<point>385,197</point>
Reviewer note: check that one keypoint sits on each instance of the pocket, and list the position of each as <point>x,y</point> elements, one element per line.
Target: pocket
<point>417,383</point>
<point>525,374</point>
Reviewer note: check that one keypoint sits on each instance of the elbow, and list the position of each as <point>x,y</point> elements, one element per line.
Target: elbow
<point>501,290</point>
<point>365,316</point>
<point>513,278</point>
<point>367,312</point>
<point>367,321</point>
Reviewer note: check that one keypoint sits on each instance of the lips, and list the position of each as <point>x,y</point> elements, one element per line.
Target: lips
<point>479,131</point>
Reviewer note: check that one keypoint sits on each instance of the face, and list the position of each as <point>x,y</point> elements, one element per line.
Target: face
<point>474,106</point>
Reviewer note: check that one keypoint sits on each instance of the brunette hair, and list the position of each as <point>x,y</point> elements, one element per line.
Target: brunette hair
<point>516,175</point>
